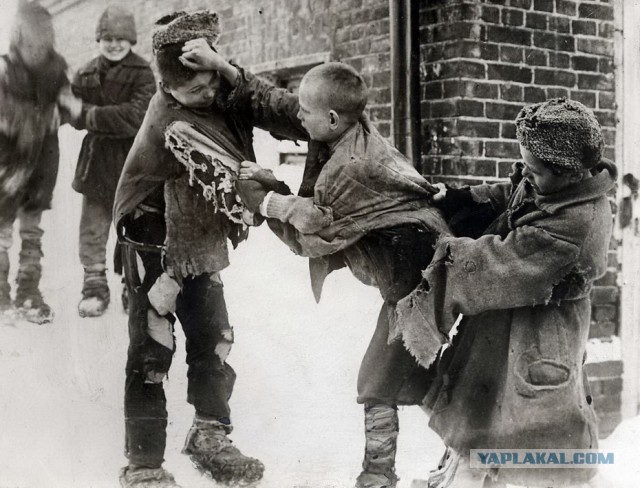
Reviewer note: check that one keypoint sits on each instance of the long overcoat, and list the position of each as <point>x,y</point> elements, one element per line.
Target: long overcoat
<point>513,378</point>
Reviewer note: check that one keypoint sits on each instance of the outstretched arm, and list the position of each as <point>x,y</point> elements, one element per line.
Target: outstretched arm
<point>267,107</point>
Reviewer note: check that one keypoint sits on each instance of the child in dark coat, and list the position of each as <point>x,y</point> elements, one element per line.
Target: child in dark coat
<point>34,93</point>
<point>115,88</point>
<point>175,236</point>
<point>514,377</point>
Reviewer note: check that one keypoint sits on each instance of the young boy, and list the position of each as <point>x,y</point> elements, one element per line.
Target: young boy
<point>175,246</point>
<point>368,208</point>
<point>115,88</point>
<point>514,378</point>
<point>33,86</point>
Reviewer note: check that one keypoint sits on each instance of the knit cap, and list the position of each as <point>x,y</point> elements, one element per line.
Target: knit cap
<point>118,23</point>
<point>564,133</point>
<point>181,27</point>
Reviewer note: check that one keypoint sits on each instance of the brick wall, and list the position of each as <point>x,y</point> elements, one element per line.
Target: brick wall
<point>256,33</point>
<point>481,62</point>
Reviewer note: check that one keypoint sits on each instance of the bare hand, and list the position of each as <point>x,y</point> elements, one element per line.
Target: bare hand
<point>69,102</point>
<point>442,192</point>
<point>248,169</point>
<point>199,55</point>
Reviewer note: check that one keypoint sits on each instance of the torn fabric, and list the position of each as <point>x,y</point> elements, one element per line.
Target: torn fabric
<point>210,167</point>
<point>468,276</point>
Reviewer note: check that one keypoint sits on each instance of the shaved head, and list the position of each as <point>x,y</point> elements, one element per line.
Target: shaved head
<point>336,86</point>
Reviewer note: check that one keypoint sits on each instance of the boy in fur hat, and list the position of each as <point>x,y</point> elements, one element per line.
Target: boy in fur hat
<point>33,86</point>
<point>115,89</point>
<point>513,378</point>
<point>174,236</point>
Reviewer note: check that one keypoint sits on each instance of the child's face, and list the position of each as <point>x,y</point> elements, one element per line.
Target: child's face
<point>543,180</point>
<point>114,49</point>
<point>198,92</point>
<point>315,117</point>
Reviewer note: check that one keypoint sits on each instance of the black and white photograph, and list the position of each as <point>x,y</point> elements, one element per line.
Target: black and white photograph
<point>319,243</point>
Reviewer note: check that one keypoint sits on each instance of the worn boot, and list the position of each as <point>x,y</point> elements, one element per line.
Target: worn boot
<point>381,433</point>
<point>29,299</point>
<point>211,451</point>
<point>95,292</point>
<point>138,477</point>
<point>33,307</point>
<point>443,476</point>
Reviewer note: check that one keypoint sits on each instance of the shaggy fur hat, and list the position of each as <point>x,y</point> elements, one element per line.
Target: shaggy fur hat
<point>564,133</point>
<point>118,23</point>
<point>182,27</point>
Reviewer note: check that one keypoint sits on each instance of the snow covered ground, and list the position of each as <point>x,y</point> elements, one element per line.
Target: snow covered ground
<point>61,412</point>
<point>61,404</point>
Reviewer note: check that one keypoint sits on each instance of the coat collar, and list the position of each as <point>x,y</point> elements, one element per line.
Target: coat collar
<point>362,128</point>
<point>602,181</point>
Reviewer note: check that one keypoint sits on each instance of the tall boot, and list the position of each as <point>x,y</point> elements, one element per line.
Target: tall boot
<point>95,292</point>
<point>381,434</point>
<point>28,295</point>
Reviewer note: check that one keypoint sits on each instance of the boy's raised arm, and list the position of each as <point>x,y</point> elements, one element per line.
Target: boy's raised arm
<point>268,107</point>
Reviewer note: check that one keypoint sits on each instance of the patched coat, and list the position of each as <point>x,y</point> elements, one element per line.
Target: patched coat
<point>115,99</point>
<point>513,378</point>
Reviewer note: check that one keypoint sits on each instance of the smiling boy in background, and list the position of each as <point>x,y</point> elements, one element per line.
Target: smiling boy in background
<point>115,88</point>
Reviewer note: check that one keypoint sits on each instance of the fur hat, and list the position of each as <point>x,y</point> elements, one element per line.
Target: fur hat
<point>117,22</point>
<point>564,133</point>
<point>181,27</point>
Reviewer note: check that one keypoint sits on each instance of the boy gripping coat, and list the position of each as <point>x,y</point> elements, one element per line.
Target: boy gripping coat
<point>513,378</point>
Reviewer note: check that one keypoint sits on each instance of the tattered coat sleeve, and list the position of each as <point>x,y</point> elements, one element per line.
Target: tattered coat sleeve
<point>302,213</point>
<point>117,120</point>
<point>471,276</point>
<point>497,194</point>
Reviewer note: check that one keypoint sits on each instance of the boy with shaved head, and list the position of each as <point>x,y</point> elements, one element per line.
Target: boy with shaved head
<point>361,204</point>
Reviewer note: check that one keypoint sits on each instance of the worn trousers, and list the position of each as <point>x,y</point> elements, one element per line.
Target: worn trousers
<point>30,268</point>
<point>200,307</point>
<point>95,222</point>
<point>389,374</point>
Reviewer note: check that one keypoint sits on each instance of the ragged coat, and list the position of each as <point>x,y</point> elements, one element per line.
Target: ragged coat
<point>29,120</point>
<point>513,378</point>
<point>153,176</point>
<point>115,98</point>
<point>360,186</point>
